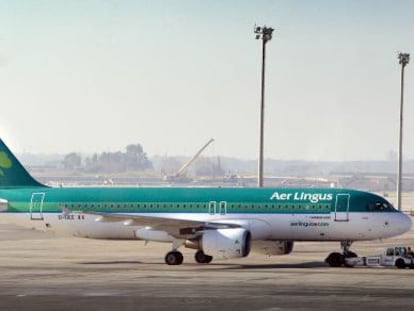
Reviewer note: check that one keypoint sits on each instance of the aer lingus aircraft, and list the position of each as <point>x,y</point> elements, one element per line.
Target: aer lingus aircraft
<point>222,223</point>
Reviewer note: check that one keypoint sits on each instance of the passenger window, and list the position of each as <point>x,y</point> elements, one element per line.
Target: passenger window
<point>390,252</point>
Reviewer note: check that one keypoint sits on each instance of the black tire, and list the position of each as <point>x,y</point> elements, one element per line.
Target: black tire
<point>335,259</point>
<point>200,257</point>
<point>174,258</point>
<point>180,258</point>
<point>400,264</point>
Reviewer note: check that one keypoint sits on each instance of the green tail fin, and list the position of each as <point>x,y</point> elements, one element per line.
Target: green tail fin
<point>12,173</point>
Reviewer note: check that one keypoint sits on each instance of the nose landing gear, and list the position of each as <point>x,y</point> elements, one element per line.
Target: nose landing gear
<point>337,259</point>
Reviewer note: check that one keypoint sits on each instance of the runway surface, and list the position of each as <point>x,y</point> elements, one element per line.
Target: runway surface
<point>43,271</point>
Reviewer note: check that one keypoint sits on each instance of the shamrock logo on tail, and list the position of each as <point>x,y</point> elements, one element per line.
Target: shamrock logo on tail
<point>5,162</point>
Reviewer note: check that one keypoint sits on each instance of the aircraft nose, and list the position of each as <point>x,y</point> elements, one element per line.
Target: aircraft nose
<point>405,223</point>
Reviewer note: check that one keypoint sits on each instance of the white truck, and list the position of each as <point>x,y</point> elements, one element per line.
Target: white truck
<point>397,256</point>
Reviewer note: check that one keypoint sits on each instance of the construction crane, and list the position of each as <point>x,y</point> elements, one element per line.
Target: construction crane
<point>188,163</point>
<point>179,175</point>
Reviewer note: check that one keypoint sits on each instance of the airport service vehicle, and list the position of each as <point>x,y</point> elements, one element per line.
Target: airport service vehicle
<point>396,256</point>
<point>223,223</point>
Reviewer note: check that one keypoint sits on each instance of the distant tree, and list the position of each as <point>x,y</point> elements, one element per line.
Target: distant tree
<point>72,161</point>
<point>134,159</point>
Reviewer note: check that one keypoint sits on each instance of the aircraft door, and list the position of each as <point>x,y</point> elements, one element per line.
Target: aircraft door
<point>342,207</point>
<point>36,205</point>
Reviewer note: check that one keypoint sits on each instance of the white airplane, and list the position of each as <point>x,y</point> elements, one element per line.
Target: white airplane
<point>223,223</point>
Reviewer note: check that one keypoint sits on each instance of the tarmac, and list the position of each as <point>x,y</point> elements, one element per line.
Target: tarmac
<point>44,271</point>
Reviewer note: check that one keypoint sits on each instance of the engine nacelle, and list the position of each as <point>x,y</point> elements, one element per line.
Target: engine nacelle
<point>272,248</point>
<point>226,243</point>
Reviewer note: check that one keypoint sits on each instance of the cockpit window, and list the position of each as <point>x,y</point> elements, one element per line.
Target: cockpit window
<point>378,206</point>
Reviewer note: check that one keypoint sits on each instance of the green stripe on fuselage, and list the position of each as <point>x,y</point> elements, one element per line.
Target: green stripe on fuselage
<point>190,200</point>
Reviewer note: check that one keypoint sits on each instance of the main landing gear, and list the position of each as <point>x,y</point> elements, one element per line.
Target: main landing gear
<point>200,257</point>
<point>336,259</point>
<point>175,257</point>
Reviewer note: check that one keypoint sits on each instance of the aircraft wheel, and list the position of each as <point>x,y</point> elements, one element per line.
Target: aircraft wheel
<point>335,259</point>
<point>200,257</point>
<point>174,258</point>
<point>349,254</point>
<point>400,264</point>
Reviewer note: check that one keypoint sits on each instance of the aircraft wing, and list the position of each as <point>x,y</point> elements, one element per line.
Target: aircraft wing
<point>178,228</point>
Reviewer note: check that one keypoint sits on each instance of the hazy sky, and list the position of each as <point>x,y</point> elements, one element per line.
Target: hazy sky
<point>92,76</point>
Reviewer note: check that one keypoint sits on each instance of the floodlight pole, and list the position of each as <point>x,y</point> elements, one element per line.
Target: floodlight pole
<point>404,59</point>
<point>265,34</point>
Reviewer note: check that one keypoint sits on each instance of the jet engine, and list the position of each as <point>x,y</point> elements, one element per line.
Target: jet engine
<point>272,248</point>
<point>226,243</point>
